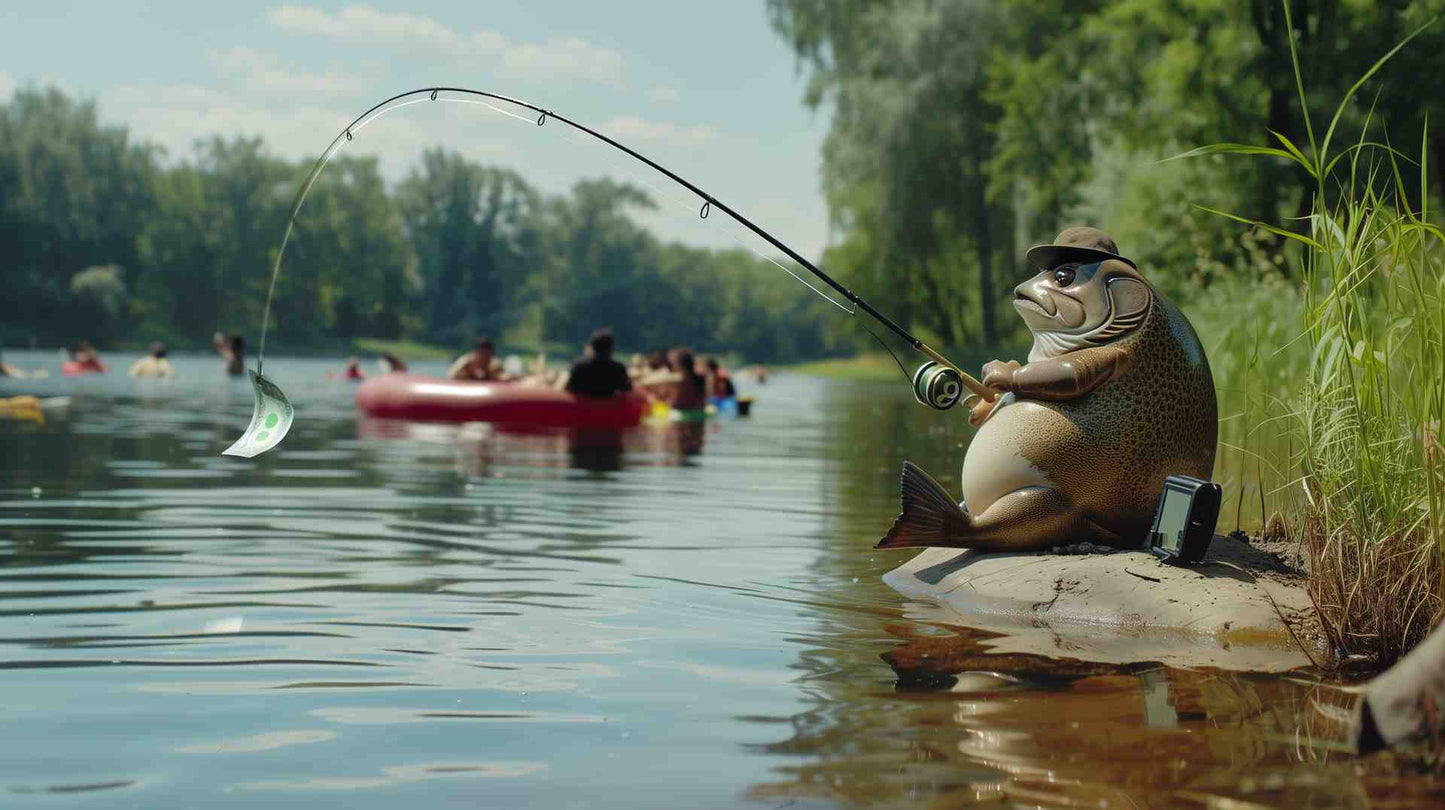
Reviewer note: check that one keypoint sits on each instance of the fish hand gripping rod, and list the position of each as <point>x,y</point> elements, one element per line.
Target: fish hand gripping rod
<point>939,383</point>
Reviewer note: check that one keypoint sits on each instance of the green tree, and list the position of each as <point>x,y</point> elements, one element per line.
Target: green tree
<point>599,259</point>
<point>73,194</point>
<point>909,153</point>
<point>350,240</point>
<point>476,231</point>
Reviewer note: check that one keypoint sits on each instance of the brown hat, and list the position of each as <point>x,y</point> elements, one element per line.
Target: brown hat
<point>1080,244</point>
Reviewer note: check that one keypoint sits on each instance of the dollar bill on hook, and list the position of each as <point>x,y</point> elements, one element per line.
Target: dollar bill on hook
<point>271,418</point>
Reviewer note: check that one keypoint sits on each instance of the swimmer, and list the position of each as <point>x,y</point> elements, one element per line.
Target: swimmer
<point>233,351</point>
<point>480,365</point>
<point>153,365</point>
<point>597,374</point>
<point>719,384</point>
<point>690,392</point>
<point>84,356</point>
<point>7,370</point>
<point>390,363</point>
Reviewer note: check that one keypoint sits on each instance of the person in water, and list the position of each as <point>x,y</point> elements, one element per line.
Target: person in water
<point>479,365</point>
<point>353,370</point>
<point>7,370</point>
<point>719,383</point>
<point>597,374</point>
<point>690,391</point>
<point>83,354</point>
<point>233,351</point>
<point>390,363</point>
<point>153,365</point>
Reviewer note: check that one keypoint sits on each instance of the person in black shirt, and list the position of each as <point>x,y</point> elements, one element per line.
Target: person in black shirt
<point>597,374</point>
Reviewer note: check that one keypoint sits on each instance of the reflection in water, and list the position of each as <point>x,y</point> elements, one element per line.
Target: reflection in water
<point>480,446</point>
<point>386,613</point>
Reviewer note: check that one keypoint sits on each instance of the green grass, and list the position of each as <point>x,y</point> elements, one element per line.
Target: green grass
<point>862,367</point>
<point>405,349</point>
<point>1343,420</point>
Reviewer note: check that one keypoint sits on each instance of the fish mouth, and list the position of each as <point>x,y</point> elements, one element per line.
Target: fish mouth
<point>1024,303</point>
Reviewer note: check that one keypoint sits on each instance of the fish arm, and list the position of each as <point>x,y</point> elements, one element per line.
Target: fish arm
<point>1067,377</point>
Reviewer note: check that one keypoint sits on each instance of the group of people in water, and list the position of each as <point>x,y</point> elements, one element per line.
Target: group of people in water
<point>82,358</point>
<point>673,377</point>
<point>155,365</point>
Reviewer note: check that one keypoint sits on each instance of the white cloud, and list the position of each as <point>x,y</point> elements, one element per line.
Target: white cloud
<point>570,56</point>
<point>364,23</point>
<point>630,127</point>
<point>564,57</point>
<point>7,85</point>
<point>176,116</point>
<point>298,128</point>
<point>255,70</point>
<point>663,94</point>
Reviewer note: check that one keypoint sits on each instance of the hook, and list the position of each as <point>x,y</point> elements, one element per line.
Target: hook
<point>434,94</point>
<point>706,209</point>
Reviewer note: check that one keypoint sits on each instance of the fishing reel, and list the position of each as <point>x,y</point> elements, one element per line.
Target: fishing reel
<point>937,385</point>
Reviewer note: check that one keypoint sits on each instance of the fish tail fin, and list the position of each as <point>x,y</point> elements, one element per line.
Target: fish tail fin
<point>930,517</point>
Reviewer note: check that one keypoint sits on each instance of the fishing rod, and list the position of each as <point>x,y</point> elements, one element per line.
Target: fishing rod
<point>709,202</point>
<point>938,383</point>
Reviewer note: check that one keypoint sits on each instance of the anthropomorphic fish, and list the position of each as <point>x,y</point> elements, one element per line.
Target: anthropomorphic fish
<point>1116,396</point>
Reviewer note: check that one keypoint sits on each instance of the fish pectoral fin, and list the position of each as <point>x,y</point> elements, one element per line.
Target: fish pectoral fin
<point>930,517</point>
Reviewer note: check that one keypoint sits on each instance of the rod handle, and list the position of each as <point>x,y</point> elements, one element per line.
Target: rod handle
<point>978,388</point>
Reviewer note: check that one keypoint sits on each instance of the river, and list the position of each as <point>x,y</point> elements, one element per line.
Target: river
<point>379,614</point>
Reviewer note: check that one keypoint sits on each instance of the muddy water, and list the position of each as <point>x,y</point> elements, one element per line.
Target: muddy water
<point>383,613</point>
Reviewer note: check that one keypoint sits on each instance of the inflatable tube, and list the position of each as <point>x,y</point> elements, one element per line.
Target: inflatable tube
<point>71,368</point>
<point>430,399</point>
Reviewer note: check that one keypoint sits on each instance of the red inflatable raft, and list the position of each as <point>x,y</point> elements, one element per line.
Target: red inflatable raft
<point>430,399</point>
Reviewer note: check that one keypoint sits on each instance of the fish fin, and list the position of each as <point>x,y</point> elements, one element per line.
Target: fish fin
<point>1129,302</point>
<point>930,517</point>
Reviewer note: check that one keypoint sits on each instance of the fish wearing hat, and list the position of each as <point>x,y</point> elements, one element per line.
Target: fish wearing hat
<point>1116,396</point>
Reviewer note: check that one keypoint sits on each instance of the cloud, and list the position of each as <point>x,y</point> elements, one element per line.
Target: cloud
<point>176,116</point>
<point>630,127</point>
<point>298,127</point>
<point>569,56</point>
<point>663,94</point>
<point>366,24</point>
<point>564,57</point>
<point>254,70</point>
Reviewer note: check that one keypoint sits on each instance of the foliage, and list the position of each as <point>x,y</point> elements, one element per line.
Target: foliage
<point>906,160</point>
<point>457,249</point>
<point>73,194</point>
<point>1365,411</point>
<point>1057,113</point>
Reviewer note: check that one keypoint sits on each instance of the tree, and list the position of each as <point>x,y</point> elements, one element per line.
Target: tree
<point>476,233</point>
<point>73,194</point>
<point>910,150</point>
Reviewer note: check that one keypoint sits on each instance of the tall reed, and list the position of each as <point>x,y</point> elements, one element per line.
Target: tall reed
<point>1364,414</point>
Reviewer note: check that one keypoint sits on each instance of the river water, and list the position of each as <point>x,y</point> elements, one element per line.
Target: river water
<point>381,613</point>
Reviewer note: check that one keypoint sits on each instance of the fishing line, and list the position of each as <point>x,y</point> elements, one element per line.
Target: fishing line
<point>708,204</point>
<point>888,349</point>
<point>695,215</point>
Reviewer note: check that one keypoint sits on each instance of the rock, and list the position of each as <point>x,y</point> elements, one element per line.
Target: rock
<point>1239,609</point>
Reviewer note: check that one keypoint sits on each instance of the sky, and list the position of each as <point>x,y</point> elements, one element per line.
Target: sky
<point>704,88</point>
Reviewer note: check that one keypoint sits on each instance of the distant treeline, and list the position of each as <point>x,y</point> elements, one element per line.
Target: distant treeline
<point>104,239</point>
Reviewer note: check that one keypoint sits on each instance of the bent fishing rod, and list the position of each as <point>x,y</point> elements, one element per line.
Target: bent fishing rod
<point>934,385</point>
